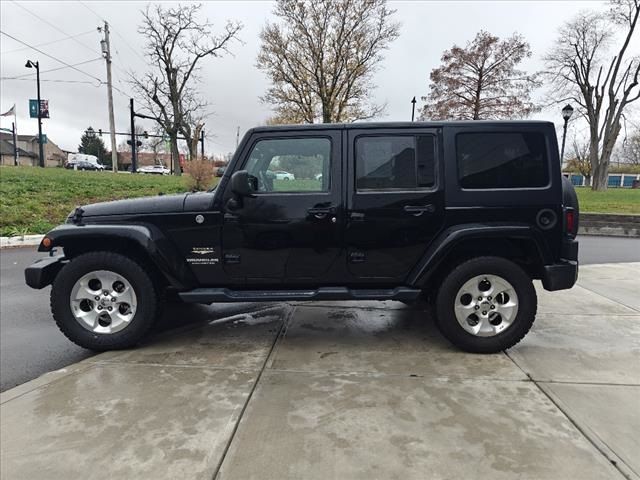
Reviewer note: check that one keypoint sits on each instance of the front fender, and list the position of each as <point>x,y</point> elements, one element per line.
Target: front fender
<point>150,240</point>
<point>447,241</point>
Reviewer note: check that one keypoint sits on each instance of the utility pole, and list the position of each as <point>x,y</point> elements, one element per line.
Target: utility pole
<point>36,65</point>
<point>413,108</point>
<point>15,144</point>
<point>106,52</point>
<point>202,142</point>
<point>133,137</point>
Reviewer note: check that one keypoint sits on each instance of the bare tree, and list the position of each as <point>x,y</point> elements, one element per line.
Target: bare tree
<point>125,145</point>
<point>579,160</point>
<point>481,81</point>
<point>284,117</point>
<point>177,40</point>
<point>321,57</point>
<point>630,151</point>
<point>582,71</point>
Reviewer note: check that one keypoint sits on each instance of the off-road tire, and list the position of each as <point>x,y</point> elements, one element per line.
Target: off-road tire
<point>527,304</point>
<point>147,308</point>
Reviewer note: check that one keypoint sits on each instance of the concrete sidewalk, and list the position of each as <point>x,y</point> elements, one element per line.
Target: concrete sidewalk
<point>346,391</point>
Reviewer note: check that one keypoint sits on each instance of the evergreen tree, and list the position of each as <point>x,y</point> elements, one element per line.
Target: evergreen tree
<point>92,144</point>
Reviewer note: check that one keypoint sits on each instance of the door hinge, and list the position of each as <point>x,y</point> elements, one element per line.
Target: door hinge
<point>357,257</point>
<point>231,258</point>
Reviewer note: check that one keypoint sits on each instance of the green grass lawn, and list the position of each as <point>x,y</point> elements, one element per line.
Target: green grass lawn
<point>613,200</point>
<point>34,200</point>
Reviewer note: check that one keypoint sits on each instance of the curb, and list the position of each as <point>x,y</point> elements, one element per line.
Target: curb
<point>21,241</point>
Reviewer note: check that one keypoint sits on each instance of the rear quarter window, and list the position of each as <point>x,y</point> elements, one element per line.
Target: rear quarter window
<point>502,160</point>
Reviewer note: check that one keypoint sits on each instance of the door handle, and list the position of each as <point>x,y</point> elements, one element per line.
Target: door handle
<point>321,212</point>
<point>356,216</point>
<point>417,210</point>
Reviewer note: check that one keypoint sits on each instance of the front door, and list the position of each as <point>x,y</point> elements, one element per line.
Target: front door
<point>395,201</point>
<point>290,231</point>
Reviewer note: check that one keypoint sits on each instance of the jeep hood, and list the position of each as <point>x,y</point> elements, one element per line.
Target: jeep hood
<point>137,206</point>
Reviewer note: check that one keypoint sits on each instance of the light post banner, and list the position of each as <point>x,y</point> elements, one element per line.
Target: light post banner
<point>33,108</point>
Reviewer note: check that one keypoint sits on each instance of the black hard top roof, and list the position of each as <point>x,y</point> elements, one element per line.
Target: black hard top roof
<point>365,125</point>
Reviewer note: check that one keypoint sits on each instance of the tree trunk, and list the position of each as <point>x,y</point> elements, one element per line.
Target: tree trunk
<point>193,149</point>
<point>194,142</point>
<point>326,114</point>
<point>596,175</point>
<point>600,174</point>
<point>175,154</point>
<point>587,180</point>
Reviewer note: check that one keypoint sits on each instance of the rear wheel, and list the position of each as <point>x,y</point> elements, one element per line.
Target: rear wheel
<point>486,305</point>
<point>104,301</point>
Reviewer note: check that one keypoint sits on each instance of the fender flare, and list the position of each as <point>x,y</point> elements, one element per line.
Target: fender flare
<point>150,239</point>
<point>450,238</point>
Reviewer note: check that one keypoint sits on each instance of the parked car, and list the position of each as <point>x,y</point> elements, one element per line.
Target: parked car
<point>154,169</point>
<point>220,171</point>
<point>83,165</point>
<point>281,175</point>
<point>464,215</point>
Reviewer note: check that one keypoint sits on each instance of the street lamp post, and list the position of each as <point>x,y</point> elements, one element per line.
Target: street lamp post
<point>413,108</point>
<point>36,65</point>
<point>567,111</point>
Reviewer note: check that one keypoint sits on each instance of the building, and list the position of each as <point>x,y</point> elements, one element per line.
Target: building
<point>54,156</point>
<point>7,155</point>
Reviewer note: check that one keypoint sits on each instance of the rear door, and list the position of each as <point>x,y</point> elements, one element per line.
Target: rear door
<point>395,201</point>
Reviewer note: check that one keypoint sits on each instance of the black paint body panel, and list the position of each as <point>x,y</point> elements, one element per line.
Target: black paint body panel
<point>371,240</point>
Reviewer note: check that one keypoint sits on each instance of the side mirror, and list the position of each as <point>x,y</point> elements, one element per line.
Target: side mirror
<point>240,184</point>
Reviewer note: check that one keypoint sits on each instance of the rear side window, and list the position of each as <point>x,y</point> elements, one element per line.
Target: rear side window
<point>395,162</point>
<point>502,160</point>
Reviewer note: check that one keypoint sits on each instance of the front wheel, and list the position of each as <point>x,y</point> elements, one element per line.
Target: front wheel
<point>104,301</point>
<point>486,305</point>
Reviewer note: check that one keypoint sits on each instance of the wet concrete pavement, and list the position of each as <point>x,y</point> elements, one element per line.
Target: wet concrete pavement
<point>346,391</point>
<point>31,345</point>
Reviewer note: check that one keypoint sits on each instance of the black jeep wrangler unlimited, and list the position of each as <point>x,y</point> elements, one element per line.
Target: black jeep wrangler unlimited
<point>463,214</point>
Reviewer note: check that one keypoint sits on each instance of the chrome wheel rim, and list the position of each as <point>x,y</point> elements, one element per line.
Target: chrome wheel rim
<point>103,302</point>
<point>486,305</point>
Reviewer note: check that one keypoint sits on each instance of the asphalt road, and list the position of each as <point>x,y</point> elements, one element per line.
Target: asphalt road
<point>31,345</point>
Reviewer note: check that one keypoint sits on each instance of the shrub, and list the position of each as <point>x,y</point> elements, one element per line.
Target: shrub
<point>199,174</point>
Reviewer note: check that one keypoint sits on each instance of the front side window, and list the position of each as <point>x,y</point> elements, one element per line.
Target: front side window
<point>502,160</point>
<point>395,162</point>
<point>291,165</point>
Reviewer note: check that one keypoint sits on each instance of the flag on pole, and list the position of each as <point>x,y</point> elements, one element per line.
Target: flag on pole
<point>10,112</point>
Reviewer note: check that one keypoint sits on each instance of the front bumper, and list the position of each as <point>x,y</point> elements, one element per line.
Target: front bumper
<point>42,272</point>
<point>564,274</point>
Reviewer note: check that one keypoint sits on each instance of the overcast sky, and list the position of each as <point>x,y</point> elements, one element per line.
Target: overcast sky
<point>233,85</point>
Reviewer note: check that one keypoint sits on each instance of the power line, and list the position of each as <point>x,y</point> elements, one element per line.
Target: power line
<point>50,56</point>
<point>113,30</point>
<point>53,26</point>
<point>129,46</point>
<point>55,81</point>
<point>27,75</point>
<point>48,43</point>
<point>102,19</point>
<point>92,11</point>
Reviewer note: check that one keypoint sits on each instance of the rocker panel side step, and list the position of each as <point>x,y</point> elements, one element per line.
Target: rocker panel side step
<point>212,295</point>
